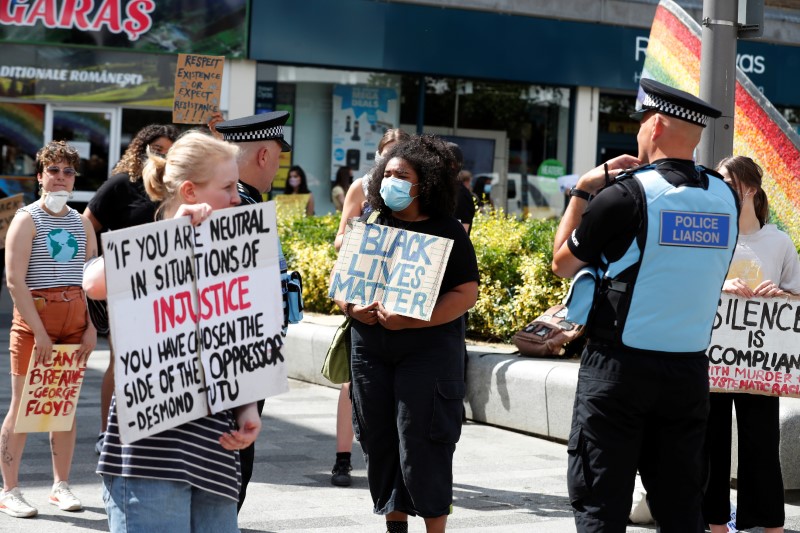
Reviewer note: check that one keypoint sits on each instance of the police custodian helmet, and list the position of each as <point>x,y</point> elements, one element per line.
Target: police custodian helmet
<point>656,96</point>
<point>261,127</point>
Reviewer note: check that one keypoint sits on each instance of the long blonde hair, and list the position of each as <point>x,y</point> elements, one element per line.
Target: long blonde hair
<point>187,160</point>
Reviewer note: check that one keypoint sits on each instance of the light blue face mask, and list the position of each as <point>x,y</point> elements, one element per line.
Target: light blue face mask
<point>396,193</point>
<point>487,188</point>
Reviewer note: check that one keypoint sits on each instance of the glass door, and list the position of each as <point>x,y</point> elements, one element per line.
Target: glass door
<point>94,131</point>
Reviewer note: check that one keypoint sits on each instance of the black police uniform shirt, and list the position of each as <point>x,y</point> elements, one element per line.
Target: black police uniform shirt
<point>120,203</point>
<point>248,194</point>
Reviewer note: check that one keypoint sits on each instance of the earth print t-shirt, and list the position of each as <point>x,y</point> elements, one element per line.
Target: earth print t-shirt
<point>62,245</point>
<point>58,251</point>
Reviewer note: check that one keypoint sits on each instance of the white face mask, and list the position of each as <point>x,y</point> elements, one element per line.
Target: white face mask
<point>55,201</point>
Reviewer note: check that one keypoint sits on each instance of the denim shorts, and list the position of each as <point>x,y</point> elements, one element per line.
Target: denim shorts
<point>141,505</point>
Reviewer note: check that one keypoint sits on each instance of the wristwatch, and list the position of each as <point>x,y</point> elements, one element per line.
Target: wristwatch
<point>580,194</point>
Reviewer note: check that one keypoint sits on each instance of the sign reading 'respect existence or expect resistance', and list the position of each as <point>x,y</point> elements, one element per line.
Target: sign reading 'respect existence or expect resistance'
<point>195,314</point>
<point>51,391</point>
<point>754,346</point>
<point>198,86</point>
<point>401,269</point>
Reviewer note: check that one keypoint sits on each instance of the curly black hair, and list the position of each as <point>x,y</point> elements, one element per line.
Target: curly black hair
<point>135,156</point>
<point>433,162</point>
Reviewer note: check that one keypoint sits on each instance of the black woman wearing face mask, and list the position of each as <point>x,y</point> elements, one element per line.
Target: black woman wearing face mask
<point>408,374</point>
<point>355,205</point>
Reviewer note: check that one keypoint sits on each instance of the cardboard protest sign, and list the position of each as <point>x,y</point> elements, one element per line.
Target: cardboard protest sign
<point>401,269</point>
<point>195,315</point>
<point>51,391</point>
<point>292,205</point>
<point>198,85</point>
<point>754,346</point>
<point>8,208</point>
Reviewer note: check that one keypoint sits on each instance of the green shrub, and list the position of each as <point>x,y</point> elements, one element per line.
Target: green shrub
<point>308,246</point>
<point>517,284</point>
<point>514,258</point>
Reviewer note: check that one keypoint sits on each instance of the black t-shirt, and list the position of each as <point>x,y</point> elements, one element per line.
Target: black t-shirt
<point>462,266</point>
<point>612,219</point>
<point>465,206</point>
<point>121,203</point>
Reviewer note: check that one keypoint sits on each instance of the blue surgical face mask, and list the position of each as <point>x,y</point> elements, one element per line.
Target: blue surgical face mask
<point>396,193</point>
<point>487,188</point>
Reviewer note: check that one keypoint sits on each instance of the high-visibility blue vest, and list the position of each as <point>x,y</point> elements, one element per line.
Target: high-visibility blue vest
<point>662,294</point>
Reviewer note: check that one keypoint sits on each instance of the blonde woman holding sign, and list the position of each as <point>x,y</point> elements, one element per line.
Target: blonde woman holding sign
<point>186,478</point>
<point>764,264</point>
<point>46,247</point>
<point>408,374</point>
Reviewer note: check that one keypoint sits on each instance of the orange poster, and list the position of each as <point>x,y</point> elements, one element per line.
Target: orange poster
<point>50,394</point>
<point>198,84</point>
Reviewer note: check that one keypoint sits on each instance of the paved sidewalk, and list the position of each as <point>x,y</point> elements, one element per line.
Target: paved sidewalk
<point>504,481</point>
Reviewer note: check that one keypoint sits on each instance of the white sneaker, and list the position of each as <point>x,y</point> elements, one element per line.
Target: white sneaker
<point>13,504</point>
<point>63,497</point>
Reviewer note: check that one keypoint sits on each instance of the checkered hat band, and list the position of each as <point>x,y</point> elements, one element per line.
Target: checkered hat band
<point>656,102</point>
<point>275,132</point>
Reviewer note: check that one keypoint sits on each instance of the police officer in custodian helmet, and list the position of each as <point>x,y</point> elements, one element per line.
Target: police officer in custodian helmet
<point>660,237</point>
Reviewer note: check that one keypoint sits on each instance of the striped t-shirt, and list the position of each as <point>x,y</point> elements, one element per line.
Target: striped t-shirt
<point>58,251</point>
<point>190,453</point>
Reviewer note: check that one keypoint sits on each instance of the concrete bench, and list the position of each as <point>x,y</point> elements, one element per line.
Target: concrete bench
<point>529,395</point>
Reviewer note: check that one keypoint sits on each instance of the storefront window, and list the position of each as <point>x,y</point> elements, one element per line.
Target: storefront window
<point>503,128</point>
<point>134,120</point>
<point>531,116</point>
<point>485,118</point>
<point>617,131</point>
<point>21,136</point>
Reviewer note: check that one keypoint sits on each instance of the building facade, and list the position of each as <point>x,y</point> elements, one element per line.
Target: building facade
<point>524,87</point>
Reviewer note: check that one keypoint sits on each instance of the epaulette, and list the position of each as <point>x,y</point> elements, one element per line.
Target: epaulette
<point>710,172</point>
<point>628,173</point>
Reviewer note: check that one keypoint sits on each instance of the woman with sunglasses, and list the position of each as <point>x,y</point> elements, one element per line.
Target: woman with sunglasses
<point>46,246</point>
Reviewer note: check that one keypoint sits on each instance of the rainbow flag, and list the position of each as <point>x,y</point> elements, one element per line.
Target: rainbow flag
<point>760,131</point>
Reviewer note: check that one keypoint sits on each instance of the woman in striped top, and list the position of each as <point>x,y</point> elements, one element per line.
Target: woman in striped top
<point>186,478</point>
<point>47,244</point>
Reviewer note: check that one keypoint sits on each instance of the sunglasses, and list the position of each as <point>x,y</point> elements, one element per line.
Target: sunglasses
<point>54,170</point>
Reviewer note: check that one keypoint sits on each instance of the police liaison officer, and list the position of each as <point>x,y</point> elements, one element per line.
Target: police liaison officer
<point>661,237</point>
<point>260,141</point>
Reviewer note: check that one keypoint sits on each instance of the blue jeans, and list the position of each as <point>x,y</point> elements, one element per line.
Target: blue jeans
<point>140,505</point>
